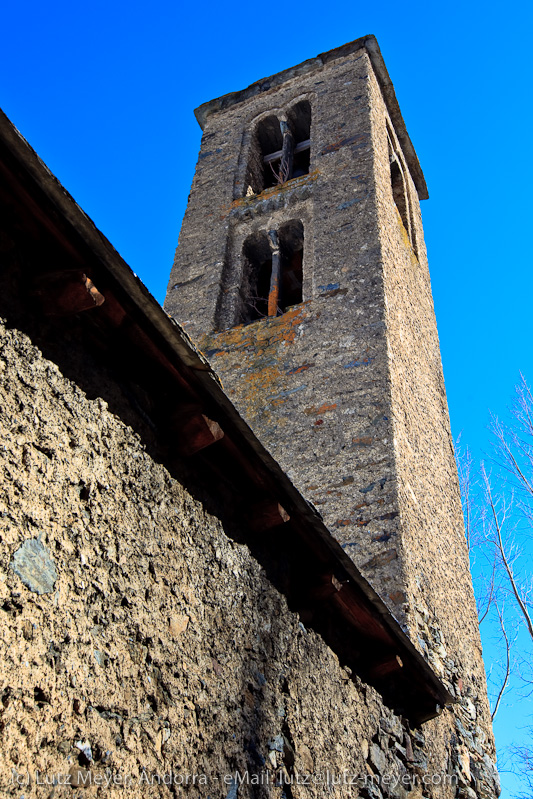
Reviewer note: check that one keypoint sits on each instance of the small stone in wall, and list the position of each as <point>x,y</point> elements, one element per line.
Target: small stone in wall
<point>392,726</point>
<point>178,624</point>
<point>27,630</point>
<point>233,790</point>
<point>33,563</point>
<point>470,708</point>
<point>99,657</point>
<point>79,777</point>
<point>305,758</point>
<point>378,758</point>
<point>276,743</point>
<point>85,749</point>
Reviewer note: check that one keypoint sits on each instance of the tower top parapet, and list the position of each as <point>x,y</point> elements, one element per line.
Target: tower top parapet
<point>368,43</point>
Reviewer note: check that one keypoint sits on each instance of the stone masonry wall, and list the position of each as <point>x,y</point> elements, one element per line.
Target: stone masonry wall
<point>313,383</point>
<point>346,388</point>
<point>435,551</point>
<point>140,644</point>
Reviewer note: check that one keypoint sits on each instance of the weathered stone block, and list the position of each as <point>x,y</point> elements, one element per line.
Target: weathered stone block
<point>33,563</point>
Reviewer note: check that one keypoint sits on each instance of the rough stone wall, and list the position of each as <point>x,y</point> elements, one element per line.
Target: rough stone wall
<point>435,550</point>
<point>140,644</point>
<point>313,383</point>
<point>346,389</point>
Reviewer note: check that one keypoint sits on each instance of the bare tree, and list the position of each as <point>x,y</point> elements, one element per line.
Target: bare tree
<point>498,510</point>
<point>514,454</point>
<point>523,756</point>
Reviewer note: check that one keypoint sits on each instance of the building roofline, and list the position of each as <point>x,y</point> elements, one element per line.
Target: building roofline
<point>389,660</point>
<point>370,44</point>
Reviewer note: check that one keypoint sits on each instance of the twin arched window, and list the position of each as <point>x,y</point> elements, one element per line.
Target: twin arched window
<point>272,260</point>
<point>280,150</point>
<point>272,272</point>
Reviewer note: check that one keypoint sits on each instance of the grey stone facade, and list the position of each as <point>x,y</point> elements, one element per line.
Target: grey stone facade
<point>160,653</point>
<point>176,619</point>
<point>344,387</point>
<point>288,374</point>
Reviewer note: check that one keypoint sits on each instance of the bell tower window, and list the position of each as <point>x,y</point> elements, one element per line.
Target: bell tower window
<point>257,258</point>
<point>265,157</point>
<point>300,122</point>
<point>400,192</point>
<point>291,239</point>
<point>281,150</point>
<point>272,272</point>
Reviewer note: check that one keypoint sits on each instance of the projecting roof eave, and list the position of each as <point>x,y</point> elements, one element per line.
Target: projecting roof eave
<point>370,44</point>
<point>381,652</point>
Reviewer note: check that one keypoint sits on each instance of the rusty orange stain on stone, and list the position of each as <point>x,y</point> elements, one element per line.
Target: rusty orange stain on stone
<point>272,191</point>
<point>263,378</point>
<point>293,319</point>
<point>254,349</point>
<point>325,407</point>
<point>314,411</point>
<point>257,383</point>
<point>301,368</point>
<point>262,333</point>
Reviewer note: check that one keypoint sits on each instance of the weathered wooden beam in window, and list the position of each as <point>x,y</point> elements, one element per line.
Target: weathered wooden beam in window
<point>287,153</point>
<point>265,515</point>
<point>298,148</point>
<point>67,292</point>
<point>273,293</point>
<point>193,431</point>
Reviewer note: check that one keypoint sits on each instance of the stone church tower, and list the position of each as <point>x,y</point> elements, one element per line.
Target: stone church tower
<point>175,615</point>
<point>301,272</point>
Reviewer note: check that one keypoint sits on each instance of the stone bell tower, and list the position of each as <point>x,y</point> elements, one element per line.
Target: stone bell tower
<point>302,273</point>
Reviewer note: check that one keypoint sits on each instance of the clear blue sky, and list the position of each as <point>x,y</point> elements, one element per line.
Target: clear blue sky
<point>105,93</point>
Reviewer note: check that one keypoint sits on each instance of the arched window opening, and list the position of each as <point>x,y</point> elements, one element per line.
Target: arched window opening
<point>257,271</point>
<point>291,243</point>
<point>281,150</point>
<point>399,188</point>
<point>272,272</point>
<point>265,158</point>
<point>300,123</point>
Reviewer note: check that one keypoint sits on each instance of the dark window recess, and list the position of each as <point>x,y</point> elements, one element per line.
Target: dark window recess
<point>273,272</point>
<point>281,149</point>
<point>399,190</point>
<point>299,117</point>
<point>257,256</point>
<point>291,239</point>
<point>268,140</point>
<point>301,161</point>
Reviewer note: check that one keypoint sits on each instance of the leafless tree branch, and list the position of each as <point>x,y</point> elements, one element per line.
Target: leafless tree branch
<point>498,512</point>
<point>507,673</point>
